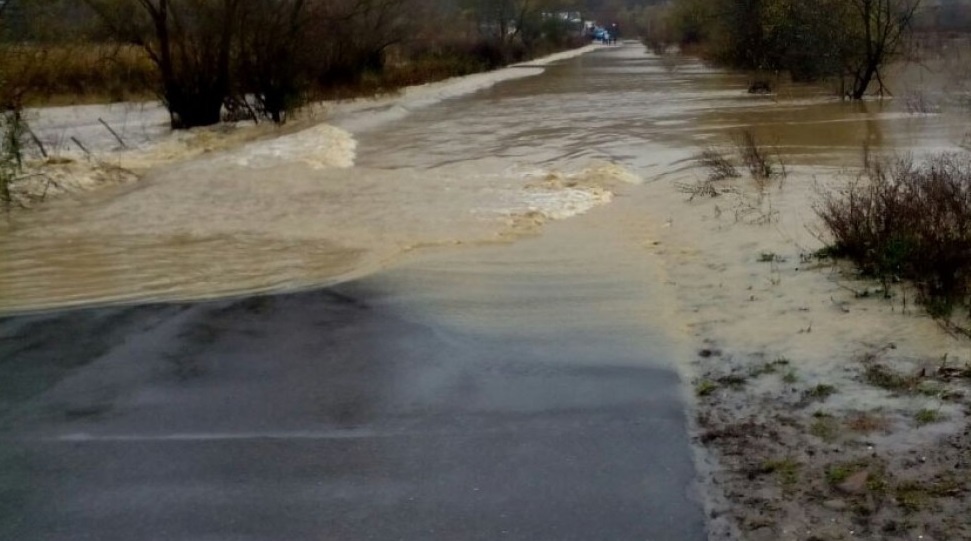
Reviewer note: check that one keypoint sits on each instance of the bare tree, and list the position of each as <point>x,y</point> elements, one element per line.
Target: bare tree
<point>274,55</point>
<point>883,25</point>
<point>506,21</point>
<point>189,41</point>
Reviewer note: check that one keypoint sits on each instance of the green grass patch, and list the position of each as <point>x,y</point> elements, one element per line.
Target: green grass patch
<point>928,416</point>
<point>825,428</point>
<point>732,380</point>
<point>819,392</point>
<point>786,471</point>
<point>705,387</point>
<point>911,496</point>
<point>884,377</point>
<point>768,368</point>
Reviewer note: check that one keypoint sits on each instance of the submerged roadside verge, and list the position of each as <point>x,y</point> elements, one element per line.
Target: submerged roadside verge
<point>826,407</point>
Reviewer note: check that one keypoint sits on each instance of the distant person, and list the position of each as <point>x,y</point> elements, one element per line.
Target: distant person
<point>606,40</point>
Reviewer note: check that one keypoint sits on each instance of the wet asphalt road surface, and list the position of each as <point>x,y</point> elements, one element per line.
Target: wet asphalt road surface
<point>337,414</point>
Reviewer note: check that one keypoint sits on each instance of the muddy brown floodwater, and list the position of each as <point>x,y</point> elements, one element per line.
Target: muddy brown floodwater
<point>445,168</point>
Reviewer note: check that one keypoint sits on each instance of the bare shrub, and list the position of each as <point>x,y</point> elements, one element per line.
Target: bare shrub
<point>705,188</point>
<point>755,210</point>
<point>12,129</point>
<point>910,221</point>
<point>267,58</point>
<point>755,158</point>
<point>749,208</point>
<point>190,44</point>
<point>719,167</point>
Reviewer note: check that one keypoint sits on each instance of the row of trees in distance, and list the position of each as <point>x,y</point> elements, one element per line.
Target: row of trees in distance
<point>264,58</point>
<point>847,40</point>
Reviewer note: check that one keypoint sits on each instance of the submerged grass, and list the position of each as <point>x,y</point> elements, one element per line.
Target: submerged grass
<point>820,392</point>
<point>786,471</point>
<point>719,167</point>
<point>753,156</point>
<point>867,422</point>
<point>705,387</point>
<point>826,428</point>
<point>928,416</point>
<point>881,376</point>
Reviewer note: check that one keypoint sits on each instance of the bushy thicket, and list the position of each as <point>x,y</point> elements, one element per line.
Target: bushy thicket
<point>264,58</point>
<point>849,40</point>
<point>911,221</point>
<point>206,59</point>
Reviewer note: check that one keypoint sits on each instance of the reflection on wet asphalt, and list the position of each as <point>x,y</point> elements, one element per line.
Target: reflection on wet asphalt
<point>348,413</point>
<point>522,391</point>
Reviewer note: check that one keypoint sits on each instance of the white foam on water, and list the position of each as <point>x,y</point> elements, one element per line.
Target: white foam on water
<point>319,147</point>
<point>564,203</point>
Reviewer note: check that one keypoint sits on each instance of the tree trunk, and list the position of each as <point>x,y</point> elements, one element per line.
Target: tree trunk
<point>194,110</point>
<point>862,82</point>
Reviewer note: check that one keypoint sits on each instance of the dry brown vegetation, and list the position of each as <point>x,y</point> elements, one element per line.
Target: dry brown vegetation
<point>908,220</point>
<point>848,41</point>
<point>266,58</point>
<point>61,74</point>
<point>719,167</point>
<point>755,157</point>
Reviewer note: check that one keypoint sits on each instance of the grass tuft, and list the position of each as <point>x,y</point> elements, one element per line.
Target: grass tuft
<point>927,416</point>
<point>732,380</point>
<point>786,471</point>
<point>756,159</point>
<point>867,423</point>
<point>705,387</point>
<point>825,428</point>
<point>883,377</point>
<point>719,167</point>
<point>819,392</point>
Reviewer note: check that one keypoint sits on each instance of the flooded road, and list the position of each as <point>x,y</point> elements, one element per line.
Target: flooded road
<point>519,391</point>
<point>497,353</point>
<point>433,169</point>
